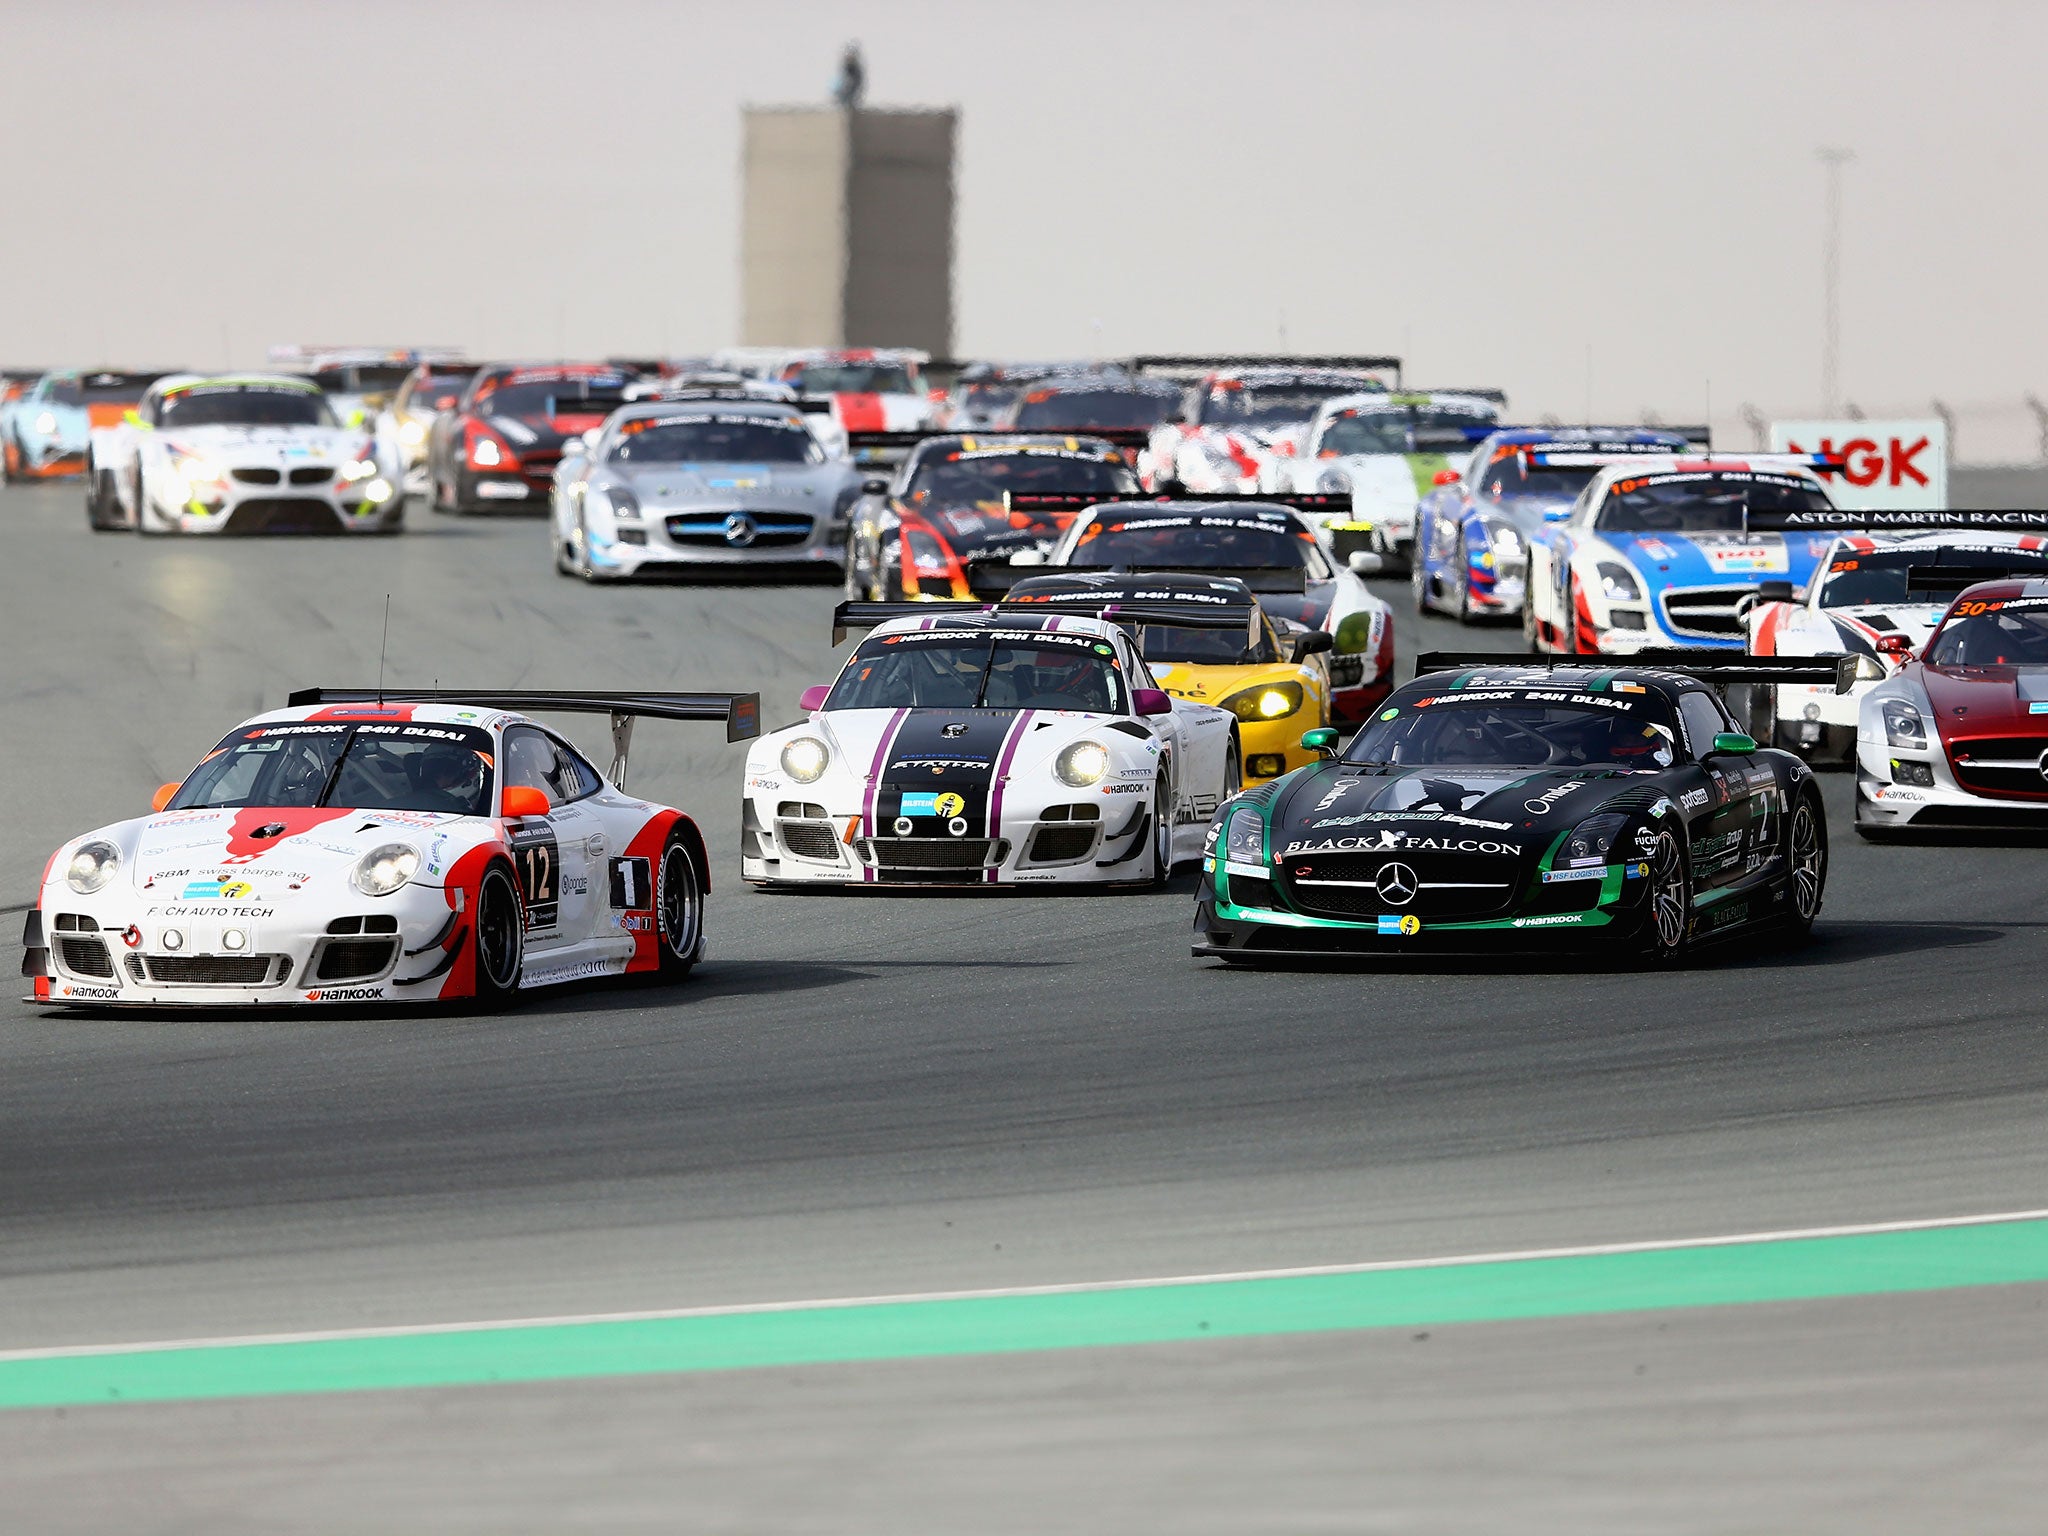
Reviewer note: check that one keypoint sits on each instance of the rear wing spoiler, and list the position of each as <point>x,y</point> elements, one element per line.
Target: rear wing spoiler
<point>741,712</point>
<point>1717,667</point>
<point>883,444</point>
<point>1301,501</point>
<point>1847,520</point>
<point>1958,578</point>
<point>1192,365</point>
<point>1568,455</point>
<point>993,576</point>
<point>851,616</point>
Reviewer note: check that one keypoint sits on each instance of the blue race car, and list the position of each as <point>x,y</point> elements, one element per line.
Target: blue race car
<point>1472,533</point>
<point>47,431</point>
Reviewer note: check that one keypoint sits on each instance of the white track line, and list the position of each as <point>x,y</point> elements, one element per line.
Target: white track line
<point>1069,1288</point>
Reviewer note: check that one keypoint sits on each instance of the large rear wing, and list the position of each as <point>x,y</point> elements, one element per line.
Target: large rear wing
<point>893,447</point>
<point>1195,365</point>
<point>1717,667</point>
<point>1302,501</point>
<point>993,576</point>
<point>1117,610</point>
<point>1959,578</point>
<point>1568,454</point>
<point>1848,520</point>
<point>741,712</point>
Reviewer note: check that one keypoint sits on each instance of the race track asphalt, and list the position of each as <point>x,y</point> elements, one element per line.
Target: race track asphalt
<point>868,1095</point>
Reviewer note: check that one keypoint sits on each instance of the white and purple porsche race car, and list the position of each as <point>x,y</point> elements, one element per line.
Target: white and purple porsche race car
<point>976,744</point>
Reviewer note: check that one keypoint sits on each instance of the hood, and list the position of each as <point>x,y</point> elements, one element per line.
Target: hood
<point>1447,809</point>
<point>268,855</point>
<point>1718,559</point>
<point>1527,512</point>
<point>1861,627</point>
<point>1206,682</point>
<point>1388,482</point>
<point>881,413</point>
<point>1971,702</point>
<point>669,485</point>
<point>543,432</point>
<point>268,444</point>
<point>985,528</point>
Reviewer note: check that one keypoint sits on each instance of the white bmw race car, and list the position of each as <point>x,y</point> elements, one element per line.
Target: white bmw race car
<point>242,453</point>
<point>1878,596</point>
<point>367,847</point>
<point>970,744</point>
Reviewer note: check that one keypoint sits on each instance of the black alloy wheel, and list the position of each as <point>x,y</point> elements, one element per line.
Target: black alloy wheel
<point>1807,852</point>
<point>500,937</point>
<point>1667,920</point>
<point>1162,829</point>
<point>678,911</point>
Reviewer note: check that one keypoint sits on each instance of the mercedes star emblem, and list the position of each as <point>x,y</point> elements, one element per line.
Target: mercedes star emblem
<point>1396,884</point>
<point>739,530</point>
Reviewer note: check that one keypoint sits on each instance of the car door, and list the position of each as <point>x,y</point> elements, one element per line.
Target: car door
<point>1732,825</point>
<point>552,855</point>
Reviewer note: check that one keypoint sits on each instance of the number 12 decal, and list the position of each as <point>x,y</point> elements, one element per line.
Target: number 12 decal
<point>540,864</point>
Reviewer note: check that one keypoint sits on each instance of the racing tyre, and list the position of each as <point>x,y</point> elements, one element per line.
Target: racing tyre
<point>499,934</point>
<point>1418,582</point>
<point>100,503</point>
<point>678,911</point>
<point>1806,851</point>
<point>1667,922</point>
<point>1530,638</point>
<point>10,458</point>
<point>1233,767</point>
<point>142,511</point>
<point>1162,830</point>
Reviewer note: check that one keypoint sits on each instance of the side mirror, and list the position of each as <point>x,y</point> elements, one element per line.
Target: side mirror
<point>1894,645</point>
<point>163,795</point>
<point>874,485</point>
<point>1365,562</point>
<point>1322,739</point>
<point>524,800</point>
<point>1446,477</point>
<point>1311,643</point>
<point>1150,701</point>
<point>812,699</point>
<point>1736,742</point>
<point>1774,591</point>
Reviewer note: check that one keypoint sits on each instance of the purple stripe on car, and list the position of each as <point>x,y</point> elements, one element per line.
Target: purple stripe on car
<point>995,790</point>
<point>867,808</point>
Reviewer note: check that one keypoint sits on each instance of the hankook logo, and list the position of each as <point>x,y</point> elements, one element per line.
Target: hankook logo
<point>739,530</point>
<point>1396,884</point>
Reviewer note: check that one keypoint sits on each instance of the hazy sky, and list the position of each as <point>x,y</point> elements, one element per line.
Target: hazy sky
<point>1496,191</point>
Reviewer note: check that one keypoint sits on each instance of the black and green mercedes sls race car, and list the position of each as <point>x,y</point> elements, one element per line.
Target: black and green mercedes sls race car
<point>1528,801</point>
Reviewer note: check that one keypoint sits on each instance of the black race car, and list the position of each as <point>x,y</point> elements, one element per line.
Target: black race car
<point>1509,801</point>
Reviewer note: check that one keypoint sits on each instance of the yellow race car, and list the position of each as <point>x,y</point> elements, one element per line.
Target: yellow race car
<point>1272,674</point>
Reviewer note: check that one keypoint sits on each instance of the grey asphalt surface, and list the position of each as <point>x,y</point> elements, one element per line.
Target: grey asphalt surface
<point>863,1094</point>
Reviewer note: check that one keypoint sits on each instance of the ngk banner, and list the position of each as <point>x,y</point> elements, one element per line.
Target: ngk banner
<point>1890,465</point>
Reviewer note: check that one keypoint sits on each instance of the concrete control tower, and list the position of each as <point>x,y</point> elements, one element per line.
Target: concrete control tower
<point>846,233</point>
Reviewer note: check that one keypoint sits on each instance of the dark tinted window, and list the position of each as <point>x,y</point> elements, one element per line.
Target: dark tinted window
<point>244,405</point>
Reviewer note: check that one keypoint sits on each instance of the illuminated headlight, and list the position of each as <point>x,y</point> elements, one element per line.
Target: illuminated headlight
<point>485,453</point>
<point>198,471</point>
<point>804,759</point>
<point>1244,837</point>
<point>377,492</point>
<point>1903,726</point>
<point>1082,764</point>
<point>412,433</point>
<point>92,866</point>
<point>1506,540</point>
<point>358,469</point>
<point>1618,582</point>
<point>384,870</point>
<point>1271,701</point>
<point>46,423</point>
<point>1591,839</point>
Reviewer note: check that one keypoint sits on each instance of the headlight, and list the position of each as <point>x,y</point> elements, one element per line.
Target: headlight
<point>1244,837</point>
<point>624,504</point>
<point>1903,726</point>
<point>358,469</point>
<point>1619,583</point>
<point>1269,701</point>
<point>1592,838</point>
<point>804,759</point>
<point>92,866</point>
<point>198,471</point>
<point>46,423</point>
<point>1081,764</point>
<point>484,453</point>
<point>384,870</point>
<point>1505,538</point>
<point>412,433</point>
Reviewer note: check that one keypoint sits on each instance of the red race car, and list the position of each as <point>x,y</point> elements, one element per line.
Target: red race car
<point>499,446</point>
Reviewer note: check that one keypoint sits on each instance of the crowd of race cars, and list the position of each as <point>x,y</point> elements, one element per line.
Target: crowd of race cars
<point>1112,617</point>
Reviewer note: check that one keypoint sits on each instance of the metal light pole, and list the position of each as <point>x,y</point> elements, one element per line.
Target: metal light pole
<point>1831,280</point>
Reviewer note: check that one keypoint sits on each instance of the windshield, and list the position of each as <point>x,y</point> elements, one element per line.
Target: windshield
<point>985,398</point>
<point>1207,647</point>
<point>397,767</point>
<point>1874,580</point>
<point>1268,404</point>
<point>1702,501</point>
<point>549,396</point>
<point>437,392</point>
<point>1512,733</point>
<point>967,478</point>
<point>244,405</point>
<point>362,378</point>
<point>1513,475</point>
<point>1192,541</point>
<point>725,439</point>
<point>1419,429</point>
<point>101,388</point>
<point>852,379</point>
<point>1077,410</point>
<point>2012,633</point>
<point>996,669</point>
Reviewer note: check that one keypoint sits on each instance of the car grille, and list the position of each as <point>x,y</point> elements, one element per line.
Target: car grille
<point>701,530</point>
<point>283,514</point>
<point>312,474</point>
<point>2006,766</point>
<point>1711,612</point>
<point>208,970</point>
<point>352,959</point>
<point>257,476</point>
<point>1451,886</point>
<point>86,957</point>
<point>923,853</point>
<point>538,468</point>
<point>1062,845</point>
<point>809,839</point>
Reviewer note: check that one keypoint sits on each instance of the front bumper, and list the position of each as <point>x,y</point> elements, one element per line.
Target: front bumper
<point>237,508</point>
<point>1883,801</point>
<point>49,459</point>
<point>731,537</point>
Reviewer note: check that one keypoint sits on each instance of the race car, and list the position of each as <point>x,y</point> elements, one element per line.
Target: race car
<point>1386,452</point>
<point>1240,413</point>
<point>982,391</point>
<point>1877,595</point>
<point>1269,543</point>
<point>500,444</point>
<point>1472,532</point>
<point>870,389</point>
<point>1272,674</point>
<point>703,479</point>
<point>359,381</point>
<point>1670,551</point>
<point>407,418</point>
<point>950,506</point>
<point>238,453</point>
<point>1504,801</point>
<point>383,846</point>
<point>972,744</point>
<point>1094,402</point>
<point>1958,736</point>
<point>47,430</point>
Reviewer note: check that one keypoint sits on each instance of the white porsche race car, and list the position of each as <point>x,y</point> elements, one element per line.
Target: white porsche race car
<point>1877,596</point>
<point>239,453</point>
<point>365,846</point>
<point>971,744</point>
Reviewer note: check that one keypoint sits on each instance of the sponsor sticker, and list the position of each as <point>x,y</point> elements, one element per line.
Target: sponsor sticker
<point>923,804</point>
<point>345,995</point>
<point>1693,799</point>
<point>1407,925</point>
<point>1559,876</point>
<point>1543,802</point>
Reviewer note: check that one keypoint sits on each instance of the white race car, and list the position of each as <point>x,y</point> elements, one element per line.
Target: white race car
<point>869,389</point>
<point>239,453</point>
<point>1386,452</point>
<point>1877,596</point>
<point>970,744</point>
<point>383,847</point>
<point>1241,414</point>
